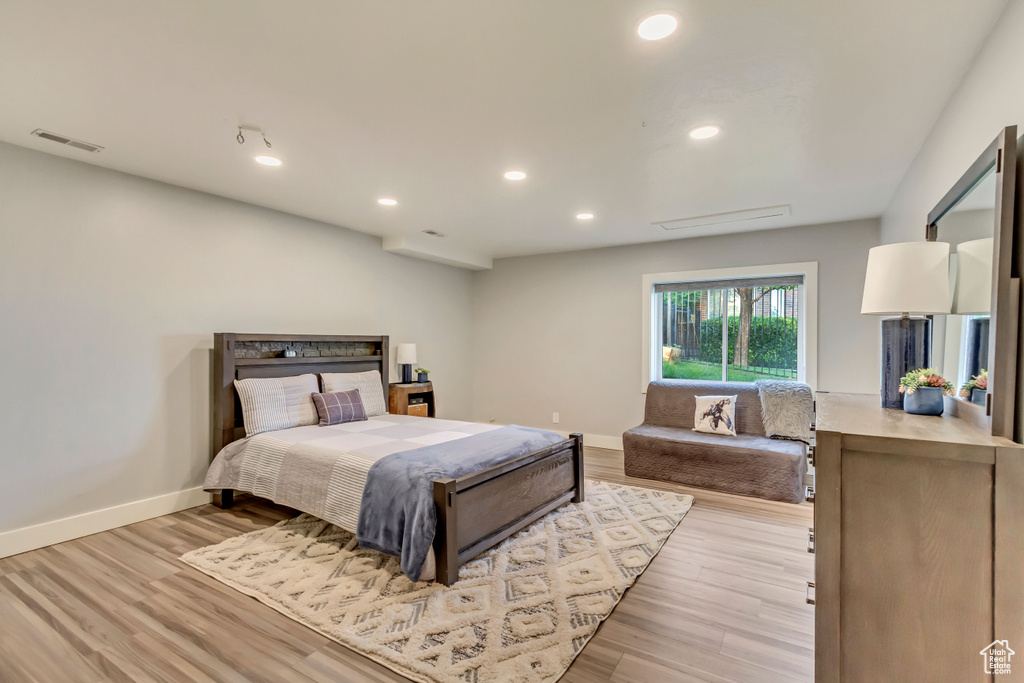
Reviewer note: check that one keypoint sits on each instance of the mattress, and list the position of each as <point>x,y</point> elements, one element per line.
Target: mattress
<point>322,470</point>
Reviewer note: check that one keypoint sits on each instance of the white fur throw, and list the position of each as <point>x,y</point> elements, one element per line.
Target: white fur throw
<point>787,409</point>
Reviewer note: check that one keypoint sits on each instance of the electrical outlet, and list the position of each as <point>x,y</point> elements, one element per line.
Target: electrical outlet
<point>554,418</point>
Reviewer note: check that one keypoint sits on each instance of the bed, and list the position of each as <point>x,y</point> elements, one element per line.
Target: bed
<point>474,511</point>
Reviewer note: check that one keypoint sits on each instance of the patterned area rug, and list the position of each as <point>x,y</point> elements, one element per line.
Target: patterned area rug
<point>520,612</point>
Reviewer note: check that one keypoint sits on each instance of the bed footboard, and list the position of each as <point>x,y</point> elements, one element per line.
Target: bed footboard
<point>479,510</point>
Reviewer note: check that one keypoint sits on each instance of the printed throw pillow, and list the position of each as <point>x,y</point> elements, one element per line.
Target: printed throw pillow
<point>715,415</point>
<point>339,407</point>
<point>276,403</point>
<point>371,390</point>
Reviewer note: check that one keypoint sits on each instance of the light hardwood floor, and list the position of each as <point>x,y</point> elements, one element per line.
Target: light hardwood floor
<point>723,601</point>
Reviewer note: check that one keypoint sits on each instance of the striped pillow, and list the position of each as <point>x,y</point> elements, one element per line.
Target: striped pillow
<point>371,390</point>
<point>277,403</point>
<point>339,407</point>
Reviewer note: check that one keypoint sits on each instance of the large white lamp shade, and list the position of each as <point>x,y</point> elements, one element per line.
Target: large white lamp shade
<point>907,277</point>
<point>973,292</point>
<point>406,354</point>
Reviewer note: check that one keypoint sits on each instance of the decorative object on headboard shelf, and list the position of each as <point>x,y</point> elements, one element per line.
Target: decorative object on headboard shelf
<point>302,349</point>
<point>406,358</point>
<point>905,278</point>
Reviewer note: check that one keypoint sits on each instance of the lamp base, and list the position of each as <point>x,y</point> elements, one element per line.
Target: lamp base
<point>977,346</point>
<point>406,373</point>
<point>906,345</point>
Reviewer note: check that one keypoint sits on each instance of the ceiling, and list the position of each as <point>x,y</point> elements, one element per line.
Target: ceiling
<point>822,105</point>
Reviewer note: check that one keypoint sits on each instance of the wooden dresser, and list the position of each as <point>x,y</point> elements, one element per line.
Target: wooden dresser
<point>919,545</point>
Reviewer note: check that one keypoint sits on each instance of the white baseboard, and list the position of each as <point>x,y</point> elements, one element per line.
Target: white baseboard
<point>60,530</point>
<point>599,441</point>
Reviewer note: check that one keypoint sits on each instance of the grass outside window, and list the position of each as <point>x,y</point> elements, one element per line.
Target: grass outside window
<point>708,372</point>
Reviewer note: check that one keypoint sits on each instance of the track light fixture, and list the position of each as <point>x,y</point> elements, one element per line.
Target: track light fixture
<point>252,129</point>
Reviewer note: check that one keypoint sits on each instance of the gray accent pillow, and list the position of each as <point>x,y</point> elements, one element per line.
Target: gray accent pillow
<point>340,407</point>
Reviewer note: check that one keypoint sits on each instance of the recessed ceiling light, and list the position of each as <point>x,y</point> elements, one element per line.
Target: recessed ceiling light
<point>387,201</point>
<point>514,175</point>
<point>657,26</point>
<point>267,161</point>
<point>584,216</point>
<point>705,132</point>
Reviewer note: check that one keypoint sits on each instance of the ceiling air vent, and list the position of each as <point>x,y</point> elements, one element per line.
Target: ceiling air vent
<point>70,142</point>
<point>746,216</point>
<point>433,233</point>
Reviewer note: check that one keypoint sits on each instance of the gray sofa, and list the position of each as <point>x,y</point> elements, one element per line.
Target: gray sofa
<point>665,446</point>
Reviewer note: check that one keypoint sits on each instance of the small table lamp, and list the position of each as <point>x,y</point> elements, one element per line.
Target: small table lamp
<point>972,296</point>
<point>406,358</point>
<point>905,278</point>
<point>973,293</point>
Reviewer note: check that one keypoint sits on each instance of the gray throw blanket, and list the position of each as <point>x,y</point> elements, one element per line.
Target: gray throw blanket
<point>787,409</point>
<point>397,515</point>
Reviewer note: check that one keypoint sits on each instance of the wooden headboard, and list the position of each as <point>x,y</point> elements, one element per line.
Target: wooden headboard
<point>240,356</point>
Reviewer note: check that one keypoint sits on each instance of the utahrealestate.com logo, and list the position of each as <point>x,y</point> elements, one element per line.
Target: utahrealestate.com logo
<point>997,657</point>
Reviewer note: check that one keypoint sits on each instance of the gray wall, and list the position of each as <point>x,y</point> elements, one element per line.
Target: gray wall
<point>562,332</point>
<point>111,287</point>
<point>989,98</point>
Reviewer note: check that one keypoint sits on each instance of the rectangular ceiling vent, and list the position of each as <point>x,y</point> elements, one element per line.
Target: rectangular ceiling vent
<point>64,140</point>
<point>746,216</point>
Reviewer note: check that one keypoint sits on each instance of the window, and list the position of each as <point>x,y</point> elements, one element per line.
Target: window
<point>760,313</point>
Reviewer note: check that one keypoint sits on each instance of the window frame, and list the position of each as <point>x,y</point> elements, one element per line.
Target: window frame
<point>807,325</point>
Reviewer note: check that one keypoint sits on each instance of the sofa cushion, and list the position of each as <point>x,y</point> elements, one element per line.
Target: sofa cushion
<point>743,464</point>
<point>673,404</point>
<point>740,444</point>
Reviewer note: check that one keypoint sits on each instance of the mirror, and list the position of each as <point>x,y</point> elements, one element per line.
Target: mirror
<point>980,335</point>
<point>961,339</point>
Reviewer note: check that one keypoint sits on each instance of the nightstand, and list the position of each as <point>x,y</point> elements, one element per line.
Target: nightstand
<point>399,396</point>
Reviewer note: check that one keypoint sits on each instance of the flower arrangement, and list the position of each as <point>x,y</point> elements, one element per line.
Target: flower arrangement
<point>925,377</point>
<point>422,370</point>
<point>979,381</point>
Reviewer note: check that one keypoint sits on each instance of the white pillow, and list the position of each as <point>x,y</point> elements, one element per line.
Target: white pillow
<point>277,403</point>
<point>371,391</point>
<point>715,415</point>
